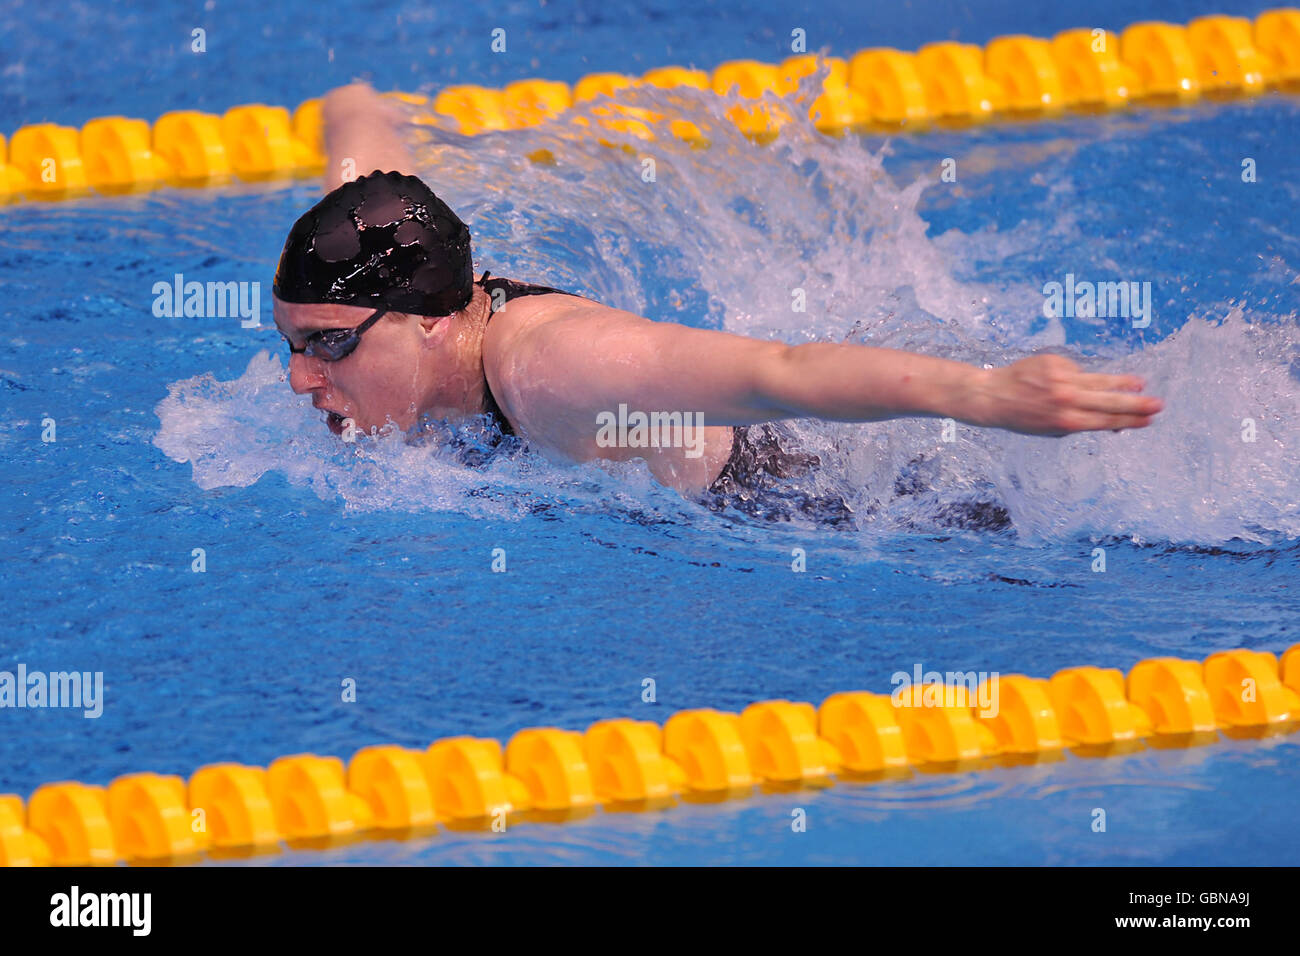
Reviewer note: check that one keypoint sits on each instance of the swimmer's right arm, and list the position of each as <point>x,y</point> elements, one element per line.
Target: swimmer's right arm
<point>363,132</point>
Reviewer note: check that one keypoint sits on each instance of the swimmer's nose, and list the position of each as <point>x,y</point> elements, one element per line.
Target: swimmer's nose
<point>305,374</point>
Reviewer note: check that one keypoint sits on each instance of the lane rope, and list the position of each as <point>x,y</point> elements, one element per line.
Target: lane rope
<point>938,723</point>
<point>876,90</point>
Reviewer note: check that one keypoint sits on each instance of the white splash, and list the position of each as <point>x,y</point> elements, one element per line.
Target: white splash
<point>1221,462</point>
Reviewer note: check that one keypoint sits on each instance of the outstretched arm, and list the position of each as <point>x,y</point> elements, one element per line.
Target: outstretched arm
<point>1042,394</point>
<point>363,132</point>
<point>595,360</point>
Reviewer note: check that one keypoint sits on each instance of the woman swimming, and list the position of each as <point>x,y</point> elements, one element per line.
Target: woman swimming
<point>376,295</point>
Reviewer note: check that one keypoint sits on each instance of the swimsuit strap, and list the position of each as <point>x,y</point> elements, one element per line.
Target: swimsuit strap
<point>514,290</point>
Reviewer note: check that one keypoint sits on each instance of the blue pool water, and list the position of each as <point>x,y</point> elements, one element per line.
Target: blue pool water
<point>326,562</point>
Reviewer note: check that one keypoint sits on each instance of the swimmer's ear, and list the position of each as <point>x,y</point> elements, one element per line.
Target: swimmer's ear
<point>434,328</point>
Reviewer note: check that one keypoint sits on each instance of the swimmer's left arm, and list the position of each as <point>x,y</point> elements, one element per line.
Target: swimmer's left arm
<point>1042,394</point>
<point>613,357</point>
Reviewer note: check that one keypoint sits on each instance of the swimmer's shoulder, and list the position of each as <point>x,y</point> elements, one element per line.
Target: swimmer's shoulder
<point>527,327</point>
<point>530,348</point>
<point>542,320</point>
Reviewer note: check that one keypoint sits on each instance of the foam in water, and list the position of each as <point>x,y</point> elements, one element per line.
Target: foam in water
<point>721,238</point>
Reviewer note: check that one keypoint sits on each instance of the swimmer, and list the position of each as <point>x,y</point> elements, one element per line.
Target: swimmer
<point>375,294</point>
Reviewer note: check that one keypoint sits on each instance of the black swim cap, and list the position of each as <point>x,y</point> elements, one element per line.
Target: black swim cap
<point>381,241</point>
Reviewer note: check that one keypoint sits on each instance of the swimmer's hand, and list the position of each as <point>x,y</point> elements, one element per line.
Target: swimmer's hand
<point>1050,395</point>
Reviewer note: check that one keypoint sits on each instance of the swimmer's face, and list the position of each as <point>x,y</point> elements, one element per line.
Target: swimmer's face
<point>383,379</point>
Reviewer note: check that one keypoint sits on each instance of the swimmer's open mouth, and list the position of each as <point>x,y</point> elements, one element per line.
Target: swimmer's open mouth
<point>332,418</point>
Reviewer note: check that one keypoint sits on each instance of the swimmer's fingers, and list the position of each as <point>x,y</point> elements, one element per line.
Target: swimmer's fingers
<point>1116,403</point>
<point>1078,421</point>
<point>1110,383</point>
<point>1099,410</point>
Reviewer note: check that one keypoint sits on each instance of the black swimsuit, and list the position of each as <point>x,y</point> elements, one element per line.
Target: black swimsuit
<point>514,290</point>
<point>755,451</point>
<point>765,481</point>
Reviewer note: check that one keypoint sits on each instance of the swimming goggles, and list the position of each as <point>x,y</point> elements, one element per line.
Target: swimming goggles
<point>331,345</point>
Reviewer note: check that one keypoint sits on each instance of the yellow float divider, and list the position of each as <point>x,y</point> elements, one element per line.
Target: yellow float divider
<point>877,89</point>
<point>308,801</point>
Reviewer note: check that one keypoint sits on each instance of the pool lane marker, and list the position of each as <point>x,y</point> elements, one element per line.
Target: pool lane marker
<point>877,90</point>
<point>547,774</point>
